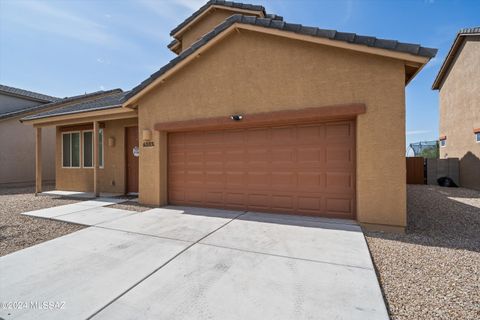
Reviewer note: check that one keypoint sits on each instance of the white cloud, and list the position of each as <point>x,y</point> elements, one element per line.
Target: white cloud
<point>417,132</point>
<point>103,61</point>
<point>193,5</point>
<point>45,17</point>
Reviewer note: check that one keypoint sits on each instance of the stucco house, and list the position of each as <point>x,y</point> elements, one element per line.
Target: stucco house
<point>253,114</point>
<point>458,83</point>
<point>17,142</point>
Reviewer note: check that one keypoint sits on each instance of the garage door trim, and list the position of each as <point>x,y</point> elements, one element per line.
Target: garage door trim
<point>306,115</point>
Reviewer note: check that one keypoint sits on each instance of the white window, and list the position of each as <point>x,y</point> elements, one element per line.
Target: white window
<point>477,137</point>
<point>88,149</point>
<point>71,150</point>
<point>443,143</point>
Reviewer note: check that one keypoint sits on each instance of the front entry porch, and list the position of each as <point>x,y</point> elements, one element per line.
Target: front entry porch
<point>93,155</point>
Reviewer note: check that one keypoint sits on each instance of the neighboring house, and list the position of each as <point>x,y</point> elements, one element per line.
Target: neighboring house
<point>254,114</point>
<point>458,82</point>
<point>17,142</point>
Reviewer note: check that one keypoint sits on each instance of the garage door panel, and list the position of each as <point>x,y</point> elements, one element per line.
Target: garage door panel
<point>258,136</point>
<point>258,156</point>
<point>337,131</point>
<point>283,156</point>
<point>310,134</point>
<point>310,155</point>
<point>342,181</point>
<point>303,169</point>
<point>214,197</point>
<point>283,135</point>
<point>283,180</point>
<point>338,205</point>
<point>283,202</point>
<point>235,199</point>
<point>259,201</point>
<point>310,204</point>
<point>260,179</point>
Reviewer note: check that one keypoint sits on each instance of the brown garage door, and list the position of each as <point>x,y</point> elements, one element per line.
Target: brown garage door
<point>299,169</point>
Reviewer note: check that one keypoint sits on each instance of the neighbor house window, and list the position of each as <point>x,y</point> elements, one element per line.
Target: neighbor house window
<point>443,142</point>
<point>477,137</point>
<point>88,149</point>
<point>71,150</point>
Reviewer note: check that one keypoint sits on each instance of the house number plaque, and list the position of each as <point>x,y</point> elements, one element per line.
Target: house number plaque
<point>148,144</point>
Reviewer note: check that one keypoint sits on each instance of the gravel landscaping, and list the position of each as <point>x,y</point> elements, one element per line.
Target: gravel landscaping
<point>131,206</point>
<point>432,271</point>
<point>18,231</point>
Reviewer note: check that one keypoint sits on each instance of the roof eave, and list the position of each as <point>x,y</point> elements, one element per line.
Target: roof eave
<point>452,53</point>
<point>80,116</point>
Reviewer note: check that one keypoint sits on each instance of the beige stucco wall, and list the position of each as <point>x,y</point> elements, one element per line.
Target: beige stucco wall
<point>111,178</point>
<point>251,72</point>
<point>204,25</point>
<point>17,153</point>
<point>460,112</point>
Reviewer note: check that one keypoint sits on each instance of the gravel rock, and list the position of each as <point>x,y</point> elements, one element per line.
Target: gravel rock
<point>18,231</point>
<point>132,206</point>
<point>432,271</point>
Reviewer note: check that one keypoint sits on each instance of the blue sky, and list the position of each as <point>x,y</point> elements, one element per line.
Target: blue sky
<point>65,48</point>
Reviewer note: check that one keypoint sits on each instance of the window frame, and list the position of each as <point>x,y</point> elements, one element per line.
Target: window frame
<point>444,141</point>
<point>103,149</point>
<point>477,137</point>
<point>80,164</point>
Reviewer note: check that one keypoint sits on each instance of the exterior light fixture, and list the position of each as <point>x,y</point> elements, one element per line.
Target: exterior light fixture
<point>236,117</point>
<point>111,142</point>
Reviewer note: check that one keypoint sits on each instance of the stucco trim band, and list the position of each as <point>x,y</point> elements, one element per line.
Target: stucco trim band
<point>306,115</point>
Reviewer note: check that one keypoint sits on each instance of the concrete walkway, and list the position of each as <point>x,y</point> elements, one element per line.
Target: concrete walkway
<point>191,263</point>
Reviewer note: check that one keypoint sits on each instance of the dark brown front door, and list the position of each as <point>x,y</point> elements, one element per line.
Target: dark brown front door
<point>299,169</point>
<point>132,150</point>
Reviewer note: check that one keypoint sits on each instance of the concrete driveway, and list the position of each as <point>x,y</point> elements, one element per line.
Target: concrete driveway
<point>192,263</point>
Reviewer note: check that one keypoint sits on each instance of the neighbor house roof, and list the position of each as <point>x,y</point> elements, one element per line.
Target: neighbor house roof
<point>30,95</point>
<point>228,4</point>
<point>100,100</point>
<point>454,50</point>
<point>352,38</point>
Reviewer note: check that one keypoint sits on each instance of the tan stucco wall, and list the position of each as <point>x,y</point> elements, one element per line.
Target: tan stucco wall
<point>111,178</point>
<point>17,153</point>
<point>460,112</point>
<point>251,72</point>
<point>204,25</point>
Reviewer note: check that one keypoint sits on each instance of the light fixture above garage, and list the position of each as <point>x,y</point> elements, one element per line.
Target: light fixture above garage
<point>236,117</point>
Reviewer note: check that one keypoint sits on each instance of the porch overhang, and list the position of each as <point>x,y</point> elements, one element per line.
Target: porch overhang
<point>83,117</point>
<point>93,119</point>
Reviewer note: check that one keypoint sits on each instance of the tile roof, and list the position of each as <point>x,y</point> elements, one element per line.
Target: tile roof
<point>104,100</point>
<point>210,3</point>
<point>461,35</point>
<point>352,38</point>
<point>27,94</point>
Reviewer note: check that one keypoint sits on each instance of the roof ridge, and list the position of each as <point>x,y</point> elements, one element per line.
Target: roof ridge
<point>59,102</point>
<point>113,98</point>
<point>27,93</point>
<point>223,3</point>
